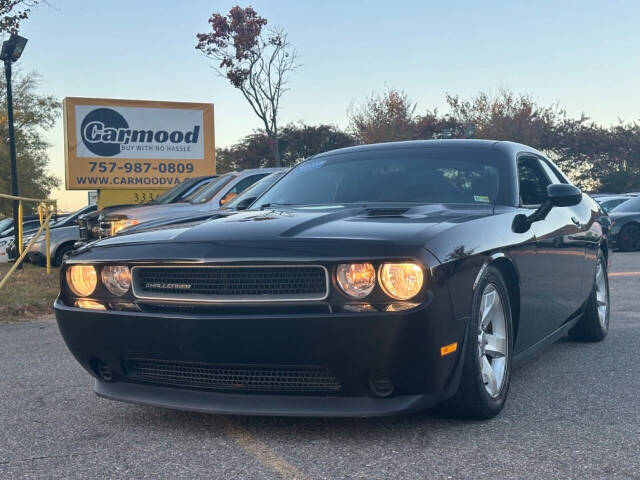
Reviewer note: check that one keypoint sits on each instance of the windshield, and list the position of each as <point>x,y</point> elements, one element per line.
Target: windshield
<point>632,205</point>
<point>391,176</point>
<point>5,223</point>
<point>176,192</point>
<point>172,193</point>
<point>255,190</point>
<point>196,191</point>
<point>212,188</point>
<point>608,205</point>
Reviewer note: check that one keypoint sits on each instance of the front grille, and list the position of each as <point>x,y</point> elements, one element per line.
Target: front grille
<point>233,377</point>
<point>231,284</point>
<point>84,233</point>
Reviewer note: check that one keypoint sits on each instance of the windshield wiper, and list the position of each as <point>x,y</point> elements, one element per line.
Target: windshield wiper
<point>269,205</point>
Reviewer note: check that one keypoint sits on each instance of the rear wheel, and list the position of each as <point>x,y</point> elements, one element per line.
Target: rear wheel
<point>593,326</point>
<point>486,373</point>
<point>629,237</point>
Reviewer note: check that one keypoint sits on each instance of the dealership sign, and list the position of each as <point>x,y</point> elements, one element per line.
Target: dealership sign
<point>131,144</point>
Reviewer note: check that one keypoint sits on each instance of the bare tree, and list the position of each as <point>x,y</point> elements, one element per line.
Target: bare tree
<point>256,60</point>
<point>12,12</point>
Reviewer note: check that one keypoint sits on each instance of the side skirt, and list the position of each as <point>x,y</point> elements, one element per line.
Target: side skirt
<point>553,337</point>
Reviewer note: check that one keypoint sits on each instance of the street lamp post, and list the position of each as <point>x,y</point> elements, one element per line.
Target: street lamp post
<point>11,51</point>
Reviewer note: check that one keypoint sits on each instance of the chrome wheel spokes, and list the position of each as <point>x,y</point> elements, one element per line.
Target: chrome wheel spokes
<point>493,348</point>
<point>602,295</point>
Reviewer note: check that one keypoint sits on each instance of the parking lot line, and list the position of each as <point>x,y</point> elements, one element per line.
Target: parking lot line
<point>624,274</point>
<point>265,455</point>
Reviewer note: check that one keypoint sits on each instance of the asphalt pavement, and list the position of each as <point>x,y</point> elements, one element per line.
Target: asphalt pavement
<point>573,412</point>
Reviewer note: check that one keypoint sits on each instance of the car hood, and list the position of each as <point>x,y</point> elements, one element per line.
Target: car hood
<point>145,213</point>
<point>285,233</point>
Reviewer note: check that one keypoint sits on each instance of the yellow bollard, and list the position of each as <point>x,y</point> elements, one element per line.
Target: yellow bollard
<point>19,246</point>
<point>24,254</point>
<point>47,245</point>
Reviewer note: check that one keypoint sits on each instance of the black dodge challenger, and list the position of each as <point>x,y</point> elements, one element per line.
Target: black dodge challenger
<point>367,281</point>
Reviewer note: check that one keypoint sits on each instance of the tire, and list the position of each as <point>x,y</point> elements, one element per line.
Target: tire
<point>629,237</point>
<point>61,253</point>
<point>477,397</point>
<point>593,326</point>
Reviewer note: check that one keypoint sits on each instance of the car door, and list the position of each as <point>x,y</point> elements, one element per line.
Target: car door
<point>560,251</point>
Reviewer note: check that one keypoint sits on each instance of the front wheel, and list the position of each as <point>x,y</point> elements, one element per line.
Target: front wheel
<point>61,254</point>
<point>593,326</point>
<point>486,373</point>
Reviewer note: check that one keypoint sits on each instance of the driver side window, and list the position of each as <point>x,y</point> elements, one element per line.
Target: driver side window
<point>533,182</point>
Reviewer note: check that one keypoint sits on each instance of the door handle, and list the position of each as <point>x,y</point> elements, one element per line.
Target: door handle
<point>576,222</point>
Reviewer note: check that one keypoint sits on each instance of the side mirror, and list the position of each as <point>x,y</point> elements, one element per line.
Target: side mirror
<point>563,194</point>
<point>245,202</point>
<point>558,195</point>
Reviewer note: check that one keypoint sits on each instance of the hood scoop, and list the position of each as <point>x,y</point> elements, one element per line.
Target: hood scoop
<point>386,212</point>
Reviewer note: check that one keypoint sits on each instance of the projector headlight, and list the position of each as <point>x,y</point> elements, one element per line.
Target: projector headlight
<point>401,281</point>
<point>356,279</point>
<point>116,279</point>
<point>82,279</point>
<point>118,225</point>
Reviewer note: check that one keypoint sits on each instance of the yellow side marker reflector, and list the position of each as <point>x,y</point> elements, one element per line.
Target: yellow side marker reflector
<point>447,349</point>
<point>90,304</point>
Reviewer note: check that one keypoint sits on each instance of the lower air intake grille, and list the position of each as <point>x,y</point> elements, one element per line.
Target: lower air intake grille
<point>233,377</point>
<point>232,283</point>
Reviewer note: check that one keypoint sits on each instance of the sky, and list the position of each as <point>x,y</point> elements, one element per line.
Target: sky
<point>584,55</point>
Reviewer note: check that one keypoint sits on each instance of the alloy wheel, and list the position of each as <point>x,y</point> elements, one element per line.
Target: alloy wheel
<point>493,345</point>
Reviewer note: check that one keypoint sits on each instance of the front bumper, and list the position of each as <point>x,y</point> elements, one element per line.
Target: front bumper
<point>403,347</point>
<point>268,405</point>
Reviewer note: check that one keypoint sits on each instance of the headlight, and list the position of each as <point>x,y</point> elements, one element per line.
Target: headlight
<point>117,279</point>
<point>118,225</point>
<point>401,281</point>
<point>82,279</point>
<point>356,279</point>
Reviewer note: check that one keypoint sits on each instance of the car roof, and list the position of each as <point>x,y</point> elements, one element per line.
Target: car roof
<point>257,170</point>
<point>509,147</point>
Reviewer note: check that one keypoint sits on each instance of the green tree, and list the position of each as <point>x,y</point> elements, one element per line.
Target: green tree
<point>594,156</point>
<point>386,117</point>
<point>33,114</point>
<point>297,142</point>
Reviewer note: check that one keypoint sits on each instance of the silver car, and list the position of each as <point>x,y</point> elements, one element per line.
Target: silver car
<point>215,195</point>
<point>62,236</point>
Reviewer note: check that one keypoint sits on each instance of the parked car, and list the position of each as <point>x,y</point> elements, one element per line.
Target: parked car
<point>370,280</point>
<point>610,202</point>
<point>625,225</point>
<point>30,223</point>
<point>220,191</point>
<point>89,223</point>
<point>241,202</point>
<point>62,237</point>
<point>68,223</point>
